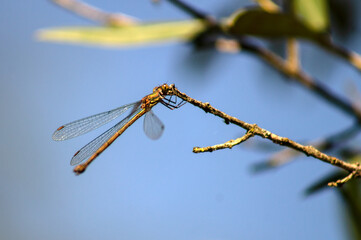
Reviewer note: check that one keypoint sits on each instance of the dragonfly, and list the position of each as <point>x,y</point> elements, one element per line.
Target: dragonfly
<point>152,126</point>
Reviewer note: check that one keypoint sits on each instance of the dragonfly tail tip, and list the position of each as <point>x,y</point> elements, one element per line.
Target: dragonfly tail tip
<point>79,169</point>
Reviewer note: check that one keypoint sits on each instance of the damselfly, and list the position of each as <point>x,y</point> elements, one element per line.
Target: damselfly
<point>152,126</point>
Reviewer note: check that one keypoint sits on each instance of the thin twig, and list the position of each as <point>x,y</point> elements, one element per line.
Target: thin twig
<point>283,141</point>
<point>344,180</point>
<point>290,71</point>
<point>293,55</point>
<point>352,57</point>
<point>229,144</point>
<point>301,77</point>
<point>94,14</point>
<point>192,11</point>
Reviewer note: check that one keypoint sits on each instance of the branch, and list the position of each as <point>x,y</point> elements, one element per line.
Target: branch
<point>293,55</point>
<point>294,73</point>
<point>352,57</point>
<point>286,155</point>
<point>288,68</point>
<point>344,180</point>
<point>229,144</point>
<point>283,141</point>
<point>192,11</point>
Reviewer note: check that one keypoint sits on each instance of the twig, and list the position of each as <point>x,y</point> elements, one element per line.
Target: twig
<point>291,71</point>
<point>292,55</point>
<point>344,180</point>
<point>352,57</point>
<point>192,11</point>
<point>301,77</point>
<point>94,14</point>
<point>283,141</point>
<point>229,144</point>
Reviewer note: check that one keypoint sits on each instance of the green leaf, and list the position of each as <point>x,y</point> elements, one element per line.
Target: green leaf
<point>260,23</point>
<point>124,36</point>
<point>313,13</point>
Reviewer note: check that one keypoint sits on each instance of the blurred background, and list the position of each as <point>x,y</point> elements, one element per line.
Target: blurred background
<point>144,189</point>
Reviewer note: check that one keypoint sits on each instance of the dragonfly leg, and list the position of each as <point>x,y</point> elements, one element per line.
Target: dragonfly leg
<point>172,104</point>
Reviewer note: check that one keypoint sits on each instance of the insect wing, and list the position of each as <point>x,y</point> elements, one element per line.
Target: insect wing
<point>152,126</point>
<point>89,149</point>
<point>90,123</point>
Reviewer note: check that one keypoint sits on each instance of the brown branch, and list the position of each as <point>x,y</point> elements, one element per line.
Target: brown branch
<point>301,77</point>
<point>292,55</point>
<point>291,71</point>
<point>229,144</point>
<point>352,57</point>
<point>283,141</point>
<point>192,11</point>
<point>286,155</point>
<point>344,180</point>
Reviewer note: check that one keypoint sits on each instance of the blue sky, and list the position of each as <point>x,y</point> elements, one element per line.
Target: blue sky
<point>145,189</point>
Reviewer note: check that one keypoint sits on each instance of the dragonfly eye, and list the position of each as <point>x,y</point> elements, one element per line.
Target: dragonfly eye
<point>165,89</point>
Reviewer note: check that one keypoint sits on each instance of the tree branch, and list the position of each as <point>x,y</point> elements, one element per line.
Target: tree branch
<point>293,59</point>
<point>352,57</point>
<point>229,144</point>
<point>283,141</point>
<point>344,180</point>
<point>286,155</point>
<point>192,11</point>
<point>296,74</point>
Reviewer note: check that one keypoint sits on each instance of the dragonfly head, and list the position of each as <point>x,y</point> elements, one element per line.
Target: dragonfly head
<point>162,90</point>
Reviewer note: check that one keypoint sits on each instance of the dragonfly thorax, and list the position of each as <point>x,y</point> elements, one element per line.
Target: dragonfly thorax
<point>152,99</point>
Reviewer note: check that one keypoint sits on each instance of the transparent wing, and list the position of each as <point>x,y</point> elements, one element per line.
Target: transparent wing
<point>87,124</point>
<point>152,126</point>
<point>89,149</point>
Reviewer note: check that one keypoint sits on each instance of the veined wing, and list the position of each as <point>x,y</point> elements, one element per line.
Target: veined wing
<point>88,150</point>
<point>90,123</point>
<point>152,126</point>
